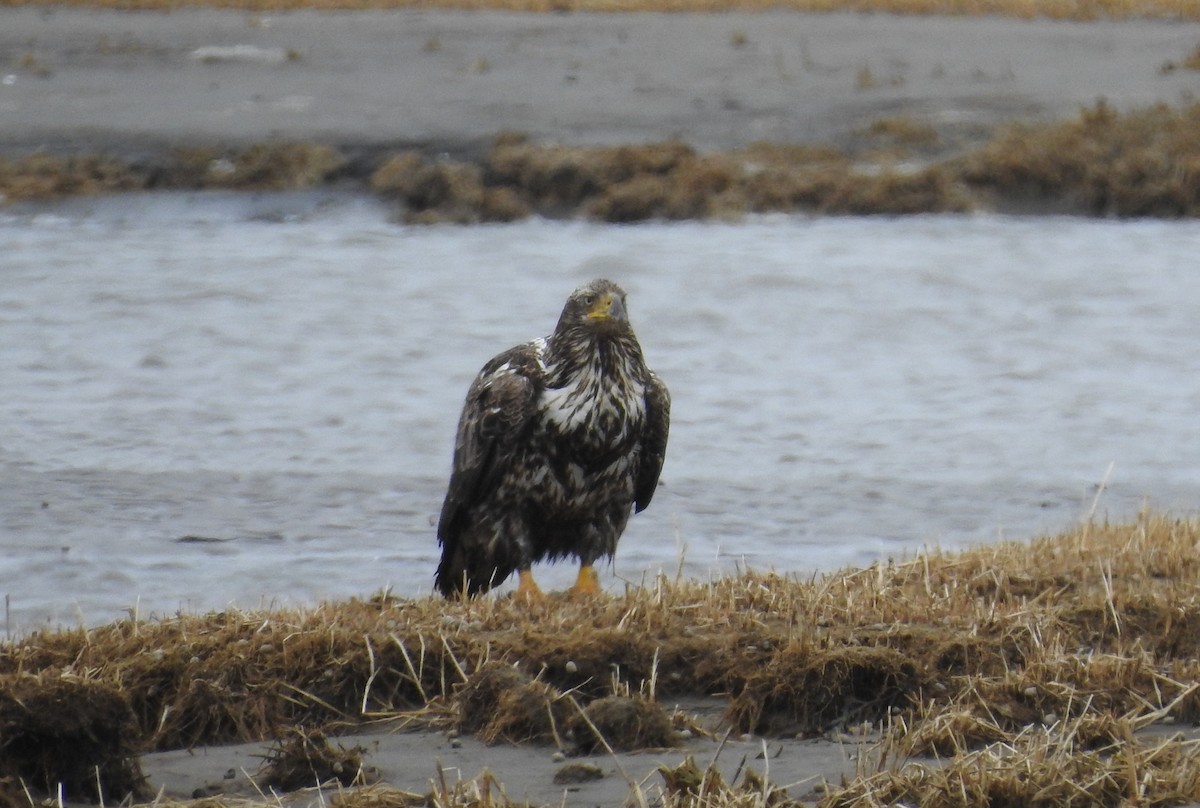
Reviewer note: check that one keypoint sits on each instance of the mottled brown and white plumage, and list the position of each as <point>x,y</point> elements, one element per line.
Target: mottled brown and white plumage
<point>559,440</point>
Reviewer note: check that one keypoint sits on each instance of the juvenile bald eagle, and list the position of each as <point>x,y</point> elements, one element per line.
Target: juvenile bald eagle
<point>559,439</point>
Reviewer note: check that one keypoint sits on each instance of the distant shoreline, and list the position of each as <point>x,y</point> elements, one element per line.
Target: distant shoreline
<point>99,101</point>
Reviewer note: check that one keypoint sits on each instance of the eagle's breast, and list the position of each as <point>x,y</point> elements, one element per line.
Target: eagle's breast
<point>560,441</point>
<point>590,420</point>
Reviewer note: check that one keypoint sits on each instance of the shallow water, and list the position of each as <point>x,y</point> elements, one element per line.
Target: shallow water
<point>222,399</point>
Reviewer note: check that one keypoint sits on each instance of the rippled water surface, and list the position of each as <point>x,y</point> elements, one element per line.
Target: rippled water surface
<point>230,399</point>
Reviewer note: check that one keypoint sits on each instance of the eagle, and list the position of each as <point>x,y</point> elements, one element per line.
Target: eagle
<point>559,440</point>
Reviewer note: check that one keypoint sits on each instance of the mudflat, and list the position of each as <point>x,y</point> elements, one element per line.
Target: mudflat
<point>76,80</point>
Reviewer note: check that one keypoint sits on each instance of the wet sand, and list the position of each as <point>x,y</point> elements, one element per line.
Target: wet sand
<point>415,761</point>
<point>133,84</point>
<point>411,761</point>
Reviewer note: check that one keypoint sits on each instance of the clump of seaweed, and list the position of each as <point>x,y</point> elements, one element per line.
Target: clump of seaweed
<point>383,796</point>
<point>68,735</point>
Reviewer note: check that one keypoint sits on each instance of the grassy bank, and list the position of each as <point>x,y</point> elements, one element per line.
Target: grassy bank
<point>1100,163</point>
<point>1027,668</point>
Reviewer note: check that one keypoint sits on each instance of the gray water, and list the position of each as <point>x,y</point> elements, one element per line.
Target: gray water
<point>214,400</point>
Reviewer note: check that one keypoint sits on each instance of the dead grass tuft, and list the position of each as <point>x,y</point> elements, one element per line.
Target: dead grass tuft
<point>501,704</point>
<point>1039,766</point>
<point>380,796</point>
<point>623,723</point>
<point>689,786</point>
<point>303,759</point>
<point>806,690</point>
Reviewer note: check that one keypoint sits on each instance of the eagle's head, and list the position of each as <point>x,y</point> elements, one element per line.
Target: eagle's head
<point>597,309</point>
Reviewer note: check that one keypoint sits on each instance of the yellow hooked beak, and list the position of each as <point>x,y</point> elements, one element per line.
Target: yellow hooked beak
<point>607,307</point>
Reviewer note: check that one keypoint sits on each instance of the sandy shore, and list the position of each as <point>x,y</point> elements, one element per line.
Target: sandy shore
<point>129,84</point>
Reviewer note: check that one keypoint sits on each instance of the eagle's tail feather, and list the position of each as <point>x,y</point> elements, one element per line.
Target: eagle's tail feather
<point>454,578</point>
<point>451,578</point>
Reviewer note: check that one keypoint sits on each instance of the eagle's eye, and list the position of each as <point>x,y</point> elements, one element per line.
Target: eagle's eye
<point>589,300</point>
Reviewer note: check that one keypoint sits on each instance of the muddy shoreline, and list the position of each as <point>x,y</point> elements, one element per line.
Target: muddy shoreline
<point>97,101</point>
<point>130,84</point>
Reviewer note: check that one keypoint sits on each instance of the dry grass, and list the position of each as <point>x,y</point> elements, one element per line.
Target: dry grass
<point>1053,9</point>
<point>1102,162</point>
<point>1099,163</point>
<point>305,759</point>
<point>1040,766</point>
<point>1011,661</point>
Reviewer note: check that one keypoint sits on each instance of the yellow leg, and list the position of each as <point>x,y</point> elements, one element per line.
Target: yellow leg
<point>527,588</point>
<point>588,582</point>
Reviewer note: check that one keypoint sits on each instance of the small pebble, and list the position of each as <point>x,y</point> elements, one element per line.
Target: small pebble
<point>1030,692</point>
<point>558,757</point>
<point>571,667</point>
<point>455,743</point>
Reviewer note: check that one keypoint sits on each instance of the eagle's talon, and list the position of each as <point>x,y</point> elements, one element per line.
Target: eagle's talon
<point>587,584</point>
<point>527,588</point>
